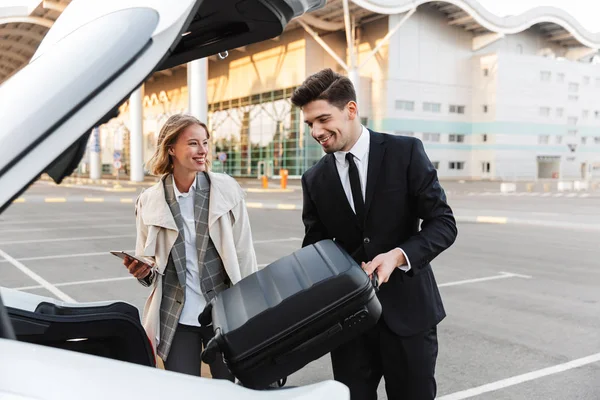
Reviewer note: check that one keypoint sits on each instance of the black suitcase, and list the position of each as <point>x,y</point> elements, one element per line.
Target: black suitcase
<point>295,310</point>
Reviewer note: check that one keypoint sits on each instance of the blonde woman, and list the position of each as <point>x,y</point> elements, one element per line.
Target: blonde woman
<point>193,228</point>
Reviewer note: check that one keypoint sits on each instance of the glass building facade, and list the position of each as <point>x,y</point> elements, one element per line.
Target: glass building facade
<point>260,135</point>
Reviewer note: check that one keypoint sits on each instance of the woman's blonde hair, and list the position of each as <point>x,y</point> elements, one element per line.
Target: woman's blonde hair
<point>160,163</point>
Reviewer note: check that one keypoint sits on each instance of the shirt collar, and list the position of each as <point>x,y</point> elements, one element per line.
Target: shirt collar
<point>178,194</point>
<point>359,150</point>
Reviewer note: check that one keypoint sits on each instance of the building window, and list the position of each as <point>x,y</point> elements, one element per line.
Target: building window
<point>456,138</point>
<point>586,80</point>
<point>583,140</point>
<point>545,76</point>
<point>486,72</point>
<point>436,164</point>
<point>486,167</point>
<point>432,107</point>
<point>573,87</point>
<point>560,78</point>
<point>572,121</point>
<point>585,114</point>
<point>456,165</point>
<point>560,112</point>
<point>484,138</point>
<point>519,49</point>
<point>545,111</point>
<point>454,109</point>
<point>431,137</point>
<point>405,105</point>
<point>597,140</point>
<point>485,108</point>
<point>404,133</point>
<point>573,98</point>
<point>543,139</point>
<point>558,139</point>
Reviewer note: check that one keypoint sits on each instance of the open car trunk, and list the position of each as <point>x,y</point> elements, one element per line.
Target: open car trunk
<point>108,329</point>
<point>102,50</point>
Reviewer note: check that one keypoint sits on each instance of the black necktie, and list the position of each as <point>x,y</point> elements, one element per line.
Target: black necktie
<point>359,204</point>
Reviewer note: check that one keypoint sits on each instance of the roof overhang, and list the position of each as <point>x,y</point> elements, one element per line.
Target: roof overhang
<point>22,29</point>
<point>554,23</point>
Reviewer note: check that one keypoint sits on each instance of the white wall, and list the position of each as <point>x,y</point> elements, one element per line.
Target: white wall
<point>429,61</point>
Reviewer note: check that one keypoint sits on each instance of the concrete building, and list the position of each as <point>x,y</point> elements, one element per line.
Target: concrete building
<point>491,97</point>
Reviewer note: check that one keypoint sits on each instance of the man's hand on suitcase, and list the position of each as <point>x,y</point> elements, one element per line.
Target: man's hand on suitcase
<point>384,264</point>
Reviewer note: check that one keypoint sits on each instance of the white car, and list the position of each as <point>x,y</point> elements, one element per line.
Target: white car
<point>94,56</point>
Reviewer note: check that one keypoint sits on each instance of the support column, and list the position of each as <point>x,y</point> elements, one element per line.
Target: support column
<point>198,82</point>
<point>136,138</point>
<point>95,155</point>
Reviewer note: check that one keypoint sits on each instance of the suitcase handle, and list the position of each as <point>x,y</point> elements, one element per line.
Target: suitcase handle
<point>209,355</point>
<point>375,281</point>
<point>205,317</point>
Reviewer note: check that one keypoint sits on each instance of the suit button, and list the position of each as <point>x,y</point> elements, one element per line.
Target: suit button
<point>366,240</point>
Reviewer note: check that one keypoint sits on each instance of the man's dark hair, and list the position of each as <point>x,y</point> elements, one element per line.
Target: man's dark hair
<point>326,85</point>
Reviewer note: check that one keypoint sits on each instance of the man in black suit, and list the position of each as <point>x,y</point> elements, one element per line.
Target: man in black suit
<point>369,193</point>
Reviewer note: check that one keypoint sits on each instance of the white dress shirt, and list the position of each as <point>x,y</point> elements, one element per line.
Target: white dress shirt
<point>360,151</point>
<point>194,299</point>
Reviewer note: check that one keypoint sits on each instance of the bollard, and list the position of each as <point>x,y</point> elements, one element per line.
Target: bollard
<point>284,176</point>
<point>530,187</point>
<point>265,182</point>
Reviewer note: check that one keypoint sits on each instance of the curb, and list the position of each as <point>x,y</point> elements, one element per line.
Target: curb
<point>88,181</point>
<point>69,181</point>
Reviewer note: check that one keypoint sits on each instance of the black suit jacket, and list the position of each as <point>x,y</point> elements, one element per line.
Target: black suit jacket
<point>402,190</point>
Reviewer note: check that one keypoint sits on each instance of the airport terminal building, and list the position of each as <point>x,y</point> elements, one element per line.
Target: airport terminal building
<point>491,97</point>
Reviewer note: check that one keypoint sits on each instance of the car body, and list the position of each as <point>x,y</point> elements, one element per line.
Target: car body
<point>96,54</point>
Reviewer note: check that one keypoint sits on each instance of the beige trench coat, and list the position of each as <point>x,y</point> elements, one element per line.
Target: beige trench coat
<point>229,229</point>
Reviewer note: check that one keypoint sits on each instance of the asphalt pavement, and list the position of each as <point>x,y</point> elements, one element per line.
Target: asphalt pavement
<point>520,285</point>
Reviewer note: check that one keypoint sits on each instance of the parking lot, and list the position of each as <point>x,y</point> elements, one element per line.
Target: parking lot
<point>522,298</point>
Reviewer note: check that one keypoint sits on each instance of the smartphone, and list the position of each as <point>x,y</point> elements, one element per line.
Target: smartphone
<point>123,254</point>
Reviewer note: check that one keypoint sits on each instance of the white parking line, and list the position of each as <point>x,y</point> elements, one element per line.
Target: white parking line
<point>515,380</point>
<point>68,228</point>
<point>87,282</point>
<point>64,239</point>
<point>290,239</point>
<point>61,220</point>
<point>104,253</point>
<point>502,275</point>
<point>44,283</point>
<point>58,256</point>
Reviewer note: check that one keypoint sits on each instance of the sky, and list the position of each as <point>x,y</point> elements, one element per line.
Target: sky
<point>587,12</point>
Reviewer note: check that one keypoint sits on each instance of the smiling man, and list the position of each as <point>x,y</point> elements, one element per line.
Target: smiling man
<point>369,193</point>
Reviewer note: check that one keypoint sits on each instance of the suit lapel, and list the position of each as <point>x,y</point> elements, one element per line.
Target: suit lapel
<point>200,207</point>
<point>334,184</point>
<point>178,250</point>
<point>376,153</point>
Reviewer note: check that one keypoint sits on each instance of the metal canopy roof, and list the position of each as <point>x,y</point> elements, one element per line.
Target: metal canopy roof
<point>22,29</point>
<point>21,32</point>
<point>457,16</point>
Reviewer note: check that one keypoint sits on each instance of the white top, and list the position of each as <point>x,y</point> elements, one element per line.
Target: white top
<point>360,151</point>
<point>194,299</point>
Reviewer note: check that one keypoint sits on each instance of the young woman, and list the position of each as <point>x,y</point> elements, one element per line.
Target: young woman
<point>193,226</point>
